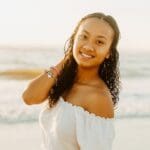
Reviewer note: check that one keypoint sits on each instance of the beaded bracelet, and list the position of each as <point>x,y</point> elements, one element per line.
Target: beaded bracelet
<point>55,69</point>
<point>50,73</point>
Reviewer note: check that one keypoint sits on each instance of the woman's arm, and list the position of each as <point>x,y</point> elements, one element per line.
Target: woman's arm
<point>38,89</point>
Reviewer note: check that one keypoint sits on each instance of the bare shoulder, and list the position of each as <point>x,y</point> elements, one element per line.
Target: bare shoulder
<point>101,104</point>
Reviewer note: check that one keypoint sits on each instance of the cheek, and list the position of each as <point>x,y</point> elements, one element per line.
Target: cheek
<point>101,55</point>
<point>76,47</point>
<point>103,50</point>
<point>76,44</point>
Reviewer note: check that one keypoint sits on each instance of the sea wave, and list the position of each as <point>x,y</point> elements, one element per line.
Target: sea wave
<point>16,116</point>
<point>131,64</point>
<point>21,73</point>
<point>22,113</point>
<point>19,66</point>
<point>29,73</point>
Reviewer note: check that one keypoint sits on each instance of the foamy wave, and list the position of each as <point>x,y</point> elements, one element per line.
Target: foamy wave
<point>19,114</point>
<point>133,109</point>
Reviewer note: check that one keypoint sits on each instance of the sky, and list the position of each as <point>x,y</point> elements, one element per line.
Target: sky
<point>51,22</point>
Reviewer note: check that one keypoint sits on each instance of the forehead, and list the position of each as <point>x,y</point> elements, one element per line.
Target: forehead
<point>96,26</point>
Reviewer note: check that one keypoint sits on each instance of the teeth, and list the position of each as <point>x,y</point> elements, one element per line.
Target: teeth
<point>85,55</point>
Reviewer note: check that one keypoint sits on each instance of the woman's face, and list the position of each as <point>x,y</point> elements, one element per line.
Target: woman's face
<point>92,42</point>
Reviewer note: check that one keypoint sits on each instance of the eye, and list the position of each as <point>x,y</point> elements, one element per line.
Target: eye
<point>99,42</point>
<point>83,36</point>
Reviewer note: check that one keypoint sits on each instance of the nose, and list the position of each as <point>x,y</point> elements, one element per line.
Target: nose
<point>88,47</point>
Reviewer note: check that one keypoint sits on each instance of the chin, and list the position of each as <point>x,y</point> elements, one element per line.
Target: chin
<point>87,64</point>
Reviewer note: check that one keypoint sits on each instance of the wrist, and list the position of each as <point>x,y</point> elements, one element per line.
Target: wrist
<point>52,73</point>
<point>55,70</point>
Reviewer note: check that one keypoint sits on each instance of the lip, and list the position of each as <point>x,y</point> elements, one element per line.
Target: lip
<point>84,57</point>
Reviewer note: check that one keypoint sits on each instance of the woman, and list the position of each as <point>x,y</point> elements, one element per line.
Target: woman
<point>82,89</point>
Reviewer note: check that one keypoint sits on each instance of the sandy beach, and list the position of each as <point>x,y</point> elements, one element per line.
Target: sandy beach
<point>131,134</point>
<point>21,136</point>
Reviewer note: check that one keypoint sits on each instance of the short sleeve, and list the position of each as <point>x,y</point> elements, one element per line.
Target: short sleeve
<point>94,132</point>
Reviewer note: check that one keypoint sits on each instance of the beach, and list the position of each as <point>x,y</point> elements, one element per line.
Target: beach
<point>19,128</point>
<point>131,134</point>
<point>21,136</point>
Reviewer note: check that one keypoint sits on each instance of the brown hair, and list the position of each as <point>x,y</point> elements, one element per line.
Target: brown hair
<point>108,70</point>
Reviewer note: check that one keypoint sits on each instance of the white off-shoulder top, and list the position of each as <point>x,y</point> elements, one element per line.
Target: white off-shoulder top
<point>69,127</point>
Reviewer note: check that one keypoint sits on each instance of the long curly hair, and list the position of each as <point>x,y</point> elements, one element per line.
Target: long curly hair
<point>108,69</point>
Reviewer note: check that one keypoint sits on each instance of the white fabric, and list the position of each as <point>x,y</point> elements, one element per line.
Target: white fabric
<point>70,127</point>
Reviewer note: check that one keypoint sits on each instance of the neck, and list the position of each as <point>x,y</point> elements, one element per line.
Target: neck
<point>87,75</point>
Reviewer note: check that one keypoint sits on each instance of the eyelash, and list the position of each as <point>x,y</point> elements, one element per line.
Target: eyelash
<point>82,36</point>
<point>99,42</point>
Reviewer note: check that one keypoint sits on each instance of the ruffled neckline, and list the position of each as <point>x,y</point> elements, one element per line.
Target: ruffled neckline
<point>81,109</point>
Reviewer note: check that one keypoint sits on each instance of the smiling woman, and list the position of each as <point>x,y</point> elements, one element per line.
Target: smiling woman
<point>92,41</point>
<point>82,89</point>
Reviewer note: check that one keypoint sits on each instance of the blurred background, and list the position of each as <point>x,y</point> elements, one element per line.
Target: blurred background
<point>32,37</point>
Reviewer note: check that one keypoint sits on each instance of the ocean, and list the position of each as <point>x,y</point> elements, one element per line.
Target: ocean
<point>19,65</point>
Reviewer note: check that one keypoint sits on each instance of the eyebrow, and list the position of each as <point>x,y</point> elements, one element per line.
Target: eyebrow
<point>99,36</point>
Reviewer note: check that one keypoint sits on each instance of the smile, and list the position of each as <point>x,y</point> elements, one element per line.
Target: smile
<point>86,55</point>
